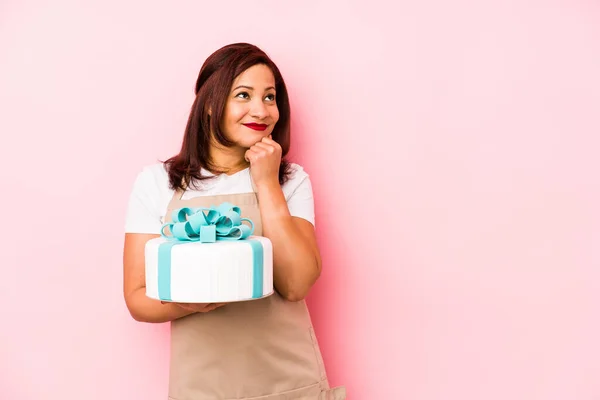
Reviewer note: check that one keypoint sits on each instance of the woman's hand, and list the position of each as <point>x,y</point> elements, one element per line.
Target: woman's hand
<point>264,158</point>
<point>200,307</point>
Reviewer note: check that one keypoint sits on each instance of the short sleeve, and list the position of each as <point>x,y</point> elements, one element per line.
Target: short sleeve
<point>143,214</point>
<point>301,201</point>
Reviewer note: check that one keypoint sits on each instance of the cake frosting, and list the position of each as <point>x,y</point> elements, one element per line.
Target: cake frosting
<point>223,271</point>
<point>208,256</point>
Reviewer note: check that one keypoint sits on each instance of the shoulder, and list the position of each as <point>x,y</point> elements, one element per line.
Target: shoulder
<point>148,200</point>
<point>296,175</point>
<point>298,194</point>
<point>153,180</point>
<point>155,172</point>
<point>297,178</point>
<point>297,172</point>
<point>153,177</point>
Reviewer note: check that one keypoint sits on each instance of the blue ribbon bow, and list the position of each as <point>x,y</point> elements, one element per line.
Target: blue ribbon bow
<point>207,225</point>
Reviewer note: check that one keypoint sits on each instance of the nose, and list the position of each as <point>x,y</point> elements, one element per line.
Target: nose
<point>258,109</point>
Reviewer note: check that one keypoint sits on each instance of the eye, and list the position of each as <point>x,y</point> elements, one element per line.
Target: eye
<point>270,97</point>
<point>243,95</point>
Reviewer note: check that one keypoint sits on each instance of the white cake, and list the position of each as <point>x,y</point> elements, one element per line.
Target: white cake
<point>196,272</point>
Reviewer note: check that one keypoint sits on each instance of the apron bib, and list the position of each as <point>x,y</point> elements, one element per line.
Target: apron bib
<point>253,350</point>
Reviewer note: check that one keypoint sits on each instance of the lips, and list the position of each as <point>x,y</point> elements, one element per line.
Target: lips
<point>257,127</point>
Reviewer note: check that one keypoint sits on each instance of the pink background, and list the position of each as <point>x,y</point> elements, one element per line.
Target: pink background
<point>453,148</point>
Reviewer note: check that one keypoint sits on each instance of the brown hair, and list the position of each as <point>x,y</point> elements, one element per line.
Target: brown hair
<point>212,89</point>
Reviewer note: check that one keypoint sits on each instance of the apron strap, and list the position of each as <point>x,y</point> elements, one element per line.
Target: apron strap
<point>178,194</point>
<point>252,181</point>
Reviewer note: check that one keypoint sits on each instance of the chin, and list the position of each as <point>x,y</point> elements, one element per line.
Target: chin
<point>256,137</point>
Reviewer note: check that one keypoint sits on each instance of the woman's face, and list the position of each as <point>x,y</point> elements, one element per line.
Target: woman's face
<point>251,110</point>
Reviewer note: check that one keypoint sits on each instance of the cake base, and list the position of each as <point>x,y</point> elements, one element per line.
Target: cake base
<point>219,272</point>
<point>223,301</point>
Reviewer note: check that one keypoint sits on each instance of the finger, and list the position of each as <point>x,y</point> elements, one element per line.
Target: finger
<point>257,147</point>
<point>203,307</point>
<point>250,155</point>
<point>256,152</point>
<point>185,306</point>
<point>265,146</point>
<point>270,141</point>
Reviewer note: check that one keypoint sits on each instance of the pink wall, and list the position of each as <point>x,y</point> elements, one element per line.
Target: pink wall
<point>453,148</point>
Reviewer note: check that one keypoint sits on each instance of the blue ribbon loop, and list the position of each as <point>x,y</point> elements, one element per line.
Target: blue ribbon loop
<point>207,225</point>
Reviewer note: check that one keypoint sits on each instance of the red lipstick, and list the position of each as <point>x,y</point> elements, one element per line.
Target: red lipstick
<point>257,127</point>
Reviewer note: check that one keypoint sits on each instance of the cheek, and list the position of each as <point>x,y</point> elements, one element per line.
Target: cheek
<point>235,112</point>
<point>238,113</point>
<point>233,116</point>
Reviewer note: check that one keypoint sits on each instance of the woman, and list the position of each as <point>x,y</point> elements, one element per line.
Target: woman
<point>236,138</point>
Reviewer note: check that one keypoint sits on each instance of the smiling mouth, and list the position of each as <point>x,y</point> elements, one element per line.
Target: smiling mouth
<point>257,127</point>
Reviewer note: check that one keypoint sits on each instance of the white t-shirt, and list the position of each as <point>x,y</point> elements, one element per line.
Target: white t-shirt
<point>151,195</point>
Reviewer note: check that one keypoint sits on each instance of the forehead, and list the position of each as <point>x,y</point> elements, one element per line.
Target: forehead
<point>258,76</point>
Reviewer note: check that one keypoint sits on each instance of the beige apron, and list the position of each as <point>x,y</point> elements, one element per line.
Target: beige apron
<point>253,350</point>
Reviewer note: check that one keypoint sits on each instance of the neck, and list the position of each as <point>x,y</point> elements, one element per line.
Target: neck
<point>227,160</point>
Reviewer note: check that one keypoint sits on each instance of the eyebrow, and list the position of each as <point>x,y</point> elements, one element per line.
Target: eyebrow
<point>251,88</point>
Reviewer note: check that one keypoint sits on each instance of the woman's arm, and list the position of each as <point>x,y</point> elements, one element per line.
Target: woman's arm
<point>141,307</point>
<point>296,258</point>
